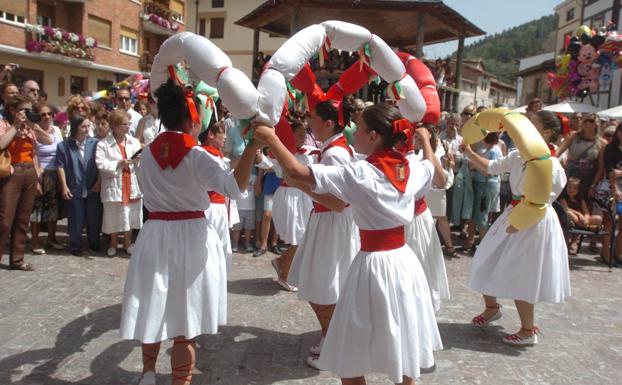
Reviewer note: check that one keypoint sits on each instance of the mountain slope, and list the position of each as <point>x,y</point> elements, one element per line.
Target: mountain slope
<point>501,50</point>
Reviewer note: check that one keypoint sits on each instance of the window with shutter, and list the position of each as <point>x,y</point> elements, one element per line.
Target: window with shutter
<point>217,28</point>
<point>178,10</point>
<point>14,11</point>
<point>128,41</point>
<point>99,29</point>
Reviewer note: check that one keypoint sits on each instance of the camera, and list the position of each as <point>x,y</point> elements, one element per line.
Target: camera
<point>33,117</point>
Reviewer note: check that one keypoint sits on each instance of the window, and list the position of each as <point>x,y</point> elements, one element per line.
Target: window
<point>178,10</point>
<point>217,28</point>
<point>45,14</point>
<point>537,88</point>
<point>78,85</point>
<point>14,11</point>
<point>218,3</point>
<point>99,29</point>
<point>598,21</point>
<point>129,41</point>
<point>103,84</point>
<point>570,14</point>
<point>202,27</point>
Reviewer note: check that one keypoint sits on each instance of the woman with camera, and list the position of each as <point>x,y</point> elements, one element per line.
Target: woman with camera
<point>120,193</point>
<point>19,135</point>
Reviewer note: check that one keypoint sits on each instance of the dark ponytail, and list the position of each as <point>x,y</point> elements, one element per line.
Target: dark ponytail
<point>328,111</point>
<point>380,118</point>
<point>172,107</point>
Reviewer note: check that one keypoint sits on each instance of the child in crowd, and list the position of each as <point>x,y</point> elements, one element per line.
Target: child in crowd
<point>246,211</point>
<point>578,212</point>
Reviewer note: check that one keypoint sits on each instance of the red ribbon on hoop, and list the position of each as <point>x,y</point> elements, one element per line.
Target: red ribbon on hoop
<point>339,106</point>
<point>192,107</point>
<point>405,126</point>
<point>565,123</point>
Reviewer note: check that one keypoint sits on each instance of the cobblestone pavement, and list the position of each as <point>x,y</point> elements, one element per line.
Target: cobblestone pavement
<point>59,325</point>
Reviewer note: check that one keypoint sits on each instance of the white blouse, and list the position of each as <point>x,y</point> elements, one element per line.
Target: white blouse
<point>376,203</point>
<point>513,164</point>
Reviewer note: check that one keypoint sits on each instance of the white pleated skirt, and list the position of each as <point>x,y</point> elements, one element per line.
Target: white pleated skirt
<point>176,282</point>
<point>324,256</point>
<point>290,212</point>
<point>118,217</point>
<point>218,216</point>
<point>384,320</point>
<point>530,265</point>
<point>423,239</point>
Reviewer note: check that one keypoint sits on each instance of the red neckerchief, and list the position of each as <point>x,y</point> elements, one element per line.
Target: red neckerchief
<point>393,165</point>
<point>170,148</point>
<point>213,150</point>
<point>551,149</point>
<point>339,142</point>
<point>301,150</point>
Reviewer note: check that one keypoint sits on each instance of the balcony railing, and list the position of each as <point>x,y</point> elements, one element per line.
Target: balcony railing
<point>60,42</point>
<point>161,16</point>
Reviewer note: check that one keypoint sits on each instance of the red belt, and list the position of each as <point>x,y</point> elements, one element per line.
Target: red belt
<point>382,240</point>
<point>420,206</point>
<point>176,215</point>
<point>215,197</point>
<point>318,208</point>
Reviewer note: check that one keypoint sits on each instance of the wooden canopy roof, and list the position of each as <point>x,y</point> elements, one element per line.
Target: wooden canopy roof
<point>395,21</point>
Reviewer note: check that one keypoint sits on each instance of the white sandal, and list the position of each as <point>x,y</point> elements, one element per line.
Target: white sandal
<point>317,348</point>
<point>312,361</point>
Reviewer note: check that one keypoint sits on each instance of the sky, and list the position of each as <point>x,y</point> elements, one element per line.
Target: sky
<point>492,16</point>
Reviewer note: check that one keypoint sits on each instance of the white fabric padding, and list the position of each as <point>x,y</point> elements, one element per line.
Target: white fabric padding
<point>384,61</point>
<point>238,93</point>
<point>171,52</point>
<point>346,36</point>
<point>272,92</point>
<point>412,106</point>
<point>205,58</point>
<point>298,50</point>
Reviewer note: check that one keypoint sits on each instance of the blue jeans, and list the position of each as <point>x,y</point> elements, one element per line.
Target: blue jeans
<point>79,209</point>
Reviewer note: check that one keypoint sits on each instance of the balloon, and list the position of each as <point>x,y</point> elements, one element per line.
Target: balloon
<point>272,92</point>
<point>346,36</point>
<point>384,61</point>
<point>584,30</point>
<point>298,50</point>
<point>426,83</point>
<point>205,58</point>
<point>538,165</point>
<point>238,93</point>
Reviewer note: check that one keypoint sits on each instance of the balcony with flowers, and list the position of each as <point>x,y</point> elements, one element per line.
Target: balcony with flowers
<point>159,18</point>
<point>60,42</point>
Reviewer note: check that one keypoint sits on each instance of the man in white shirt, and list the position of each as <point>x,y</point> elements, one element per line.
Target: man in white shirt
<point>124,100</point>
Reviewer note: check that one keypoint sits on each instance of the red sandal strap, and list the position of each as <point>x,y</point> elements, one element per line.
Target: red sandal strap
<point>495,306</point>
<point>183,368</point>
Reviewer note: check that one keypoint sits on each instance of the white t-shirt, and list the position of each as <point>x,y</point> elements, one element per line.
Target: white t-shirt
<point>248,203</point>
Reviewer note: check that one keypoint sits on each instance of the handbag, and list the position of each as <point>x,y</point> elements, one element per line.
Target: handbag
<point>5,163</point>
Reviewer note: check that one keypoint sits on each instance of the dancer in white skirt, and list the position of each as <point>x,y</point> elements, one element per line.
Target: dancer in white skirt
<point>176,282</point>
<point>331,239</point>
<point>527,266</point>
<point>292,208</point>
<point>217,214</point>
<point>384,320</point>
<point>422,237</point>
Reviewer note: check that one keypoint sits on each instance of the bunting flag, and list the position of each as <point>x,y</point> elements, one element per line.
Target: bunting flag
<point>394,91</point>
<point>365,55</point>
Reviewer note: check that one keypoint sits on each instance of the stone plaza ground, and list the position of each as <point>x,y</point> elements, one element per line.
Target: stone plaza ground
<point>59,325</point>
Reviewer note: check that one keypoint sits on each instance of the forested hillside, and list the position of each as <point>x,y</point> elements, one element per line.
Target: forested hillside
<point>501,50</point>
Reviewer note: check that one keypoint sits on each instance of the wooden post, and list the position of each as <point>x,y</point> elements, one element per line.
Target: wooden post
<point>293,22</point>
<point>255,52</point>
<point>420,34</point>
<point>459,60</point>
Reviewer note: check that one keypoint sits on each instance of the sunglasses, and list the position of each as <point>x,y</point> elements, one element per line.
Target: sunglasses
<point>589,120</point>
<point>124,98</point>
<point>45,114</point>
<point>607,135</point>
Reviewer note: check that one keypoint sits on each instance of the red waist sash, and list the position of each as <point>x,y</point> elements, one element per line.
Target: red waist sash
<point>215,197</point>
<point>318,208</point>
<point>516,199</point>
<point>382,240</point>
<point>420,206</point>
<point>283,184</point>
<point>176,215</point>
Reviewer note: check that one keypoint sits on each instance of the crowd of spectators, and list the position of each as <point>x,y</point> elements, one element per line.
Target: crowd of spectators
<point>78,161</point>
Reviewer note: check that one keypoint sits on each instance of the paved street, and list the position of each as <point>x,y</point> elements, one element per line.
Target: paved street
<point>59,325</point>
